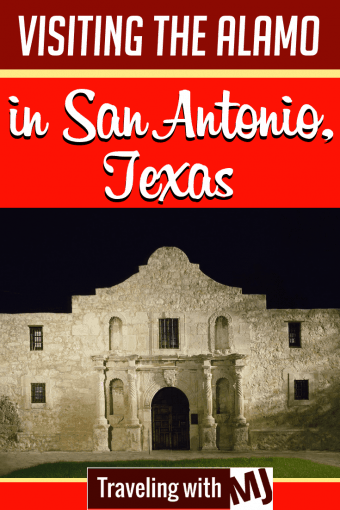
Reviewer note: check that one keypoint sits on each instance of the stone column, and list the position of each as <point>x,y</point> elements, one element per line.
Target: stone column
<point>133,427</point>
<point>208,423</point>
<point>208,417</point>
<point>239,402</point>
<point>240,433</point>
<point>101,426</point>
<point>132,398</point>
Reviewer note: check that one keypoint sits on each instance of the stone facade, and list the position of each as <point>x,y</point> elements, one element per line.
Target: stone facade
<point>102,365</point>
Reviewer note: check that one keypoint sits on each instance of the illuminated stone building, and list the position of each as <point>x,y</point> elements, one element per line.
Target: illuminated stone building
<point>170,359</point>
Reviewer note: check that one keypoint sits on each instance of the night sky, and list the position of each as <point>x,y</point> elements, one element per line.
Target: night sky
<point>47,256</point>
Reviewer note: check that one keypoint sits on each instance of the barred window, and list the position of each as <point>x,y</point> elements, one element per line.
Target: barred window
<point>36,338</point>
<point>38,394</point>
<point>301,390</point>
<point>294,329</point>
<point>168,334</point>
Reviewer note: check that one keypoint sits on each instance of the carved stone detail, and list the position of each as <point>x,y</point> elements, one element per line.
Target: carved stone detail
<point>239,401</point>
<point>132,398</point>
<point>208,430</point>
<point>183,383</point>
<point>170,377</point>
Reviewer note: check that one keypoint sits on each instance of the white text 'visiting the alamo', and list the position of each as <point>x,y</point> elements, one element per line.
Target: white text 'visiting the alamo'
<point>170,359</point>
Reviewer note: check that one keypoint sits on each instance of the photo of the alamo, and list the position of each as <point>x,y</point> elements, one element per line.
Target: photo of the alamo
<point>170,359</point>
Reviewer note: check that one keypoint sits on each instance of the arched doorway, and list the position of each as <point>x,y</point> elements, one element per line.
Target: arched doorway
<point>170,420</point>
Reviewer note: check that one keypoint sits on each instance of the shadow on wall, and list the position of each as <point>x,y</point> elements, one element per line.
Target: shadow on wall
<point>9,424</point>
<point>318,425</point>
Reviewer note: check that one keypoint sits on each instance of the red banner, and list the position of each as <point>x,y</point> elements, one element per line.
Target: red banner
<point>180,35</point>
<point>261,169</point>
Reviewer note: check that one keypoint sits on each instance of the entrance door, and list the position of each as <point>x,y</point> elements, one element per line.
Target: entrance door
<point>170,420</point>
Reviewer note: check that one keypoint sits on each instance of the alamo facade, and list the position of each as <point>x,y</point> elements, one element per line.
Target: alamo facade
<point>170,359</point>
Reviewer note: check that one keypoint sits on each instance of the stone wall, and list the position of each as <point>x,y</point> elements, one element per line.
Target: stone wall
<point>169,286</point>
<point>9,424</point>
<point>64,366</point>
<point>273,364</point>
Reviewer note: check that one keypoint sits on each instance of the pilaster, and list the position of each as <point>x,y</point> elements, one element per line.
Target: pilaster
<point>209,425</point>
<point>101,426</point>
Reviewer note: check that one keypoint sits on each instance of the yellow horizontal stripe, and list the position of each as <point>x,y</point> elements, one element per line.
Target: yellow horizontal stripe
<point>170,73</point>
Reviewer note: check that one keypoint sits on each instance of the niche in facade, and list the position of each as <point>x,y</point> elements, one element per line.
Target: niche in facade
<point>224,397</point>
<point>221,334</point>
<point>115,333</point>
<point>117,397</point>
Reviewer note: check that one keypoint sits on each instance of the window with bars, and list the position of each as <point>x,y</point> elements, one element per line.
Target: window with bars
<point>294,329</point>
<point>38,394</point>
<point>301,389</point>
<point>168,334</point>
<point>36,338</point>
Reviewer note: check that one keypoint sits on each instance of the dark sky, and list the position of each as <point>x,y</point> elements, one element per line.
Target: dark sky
<point>47,256</point>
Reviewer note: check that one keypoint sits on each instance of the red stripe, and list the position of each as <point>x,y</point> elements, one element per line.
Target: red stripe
<point>282,172</point>
<point>73,495</point>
